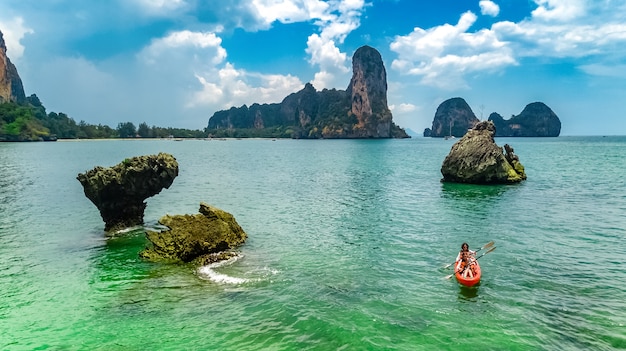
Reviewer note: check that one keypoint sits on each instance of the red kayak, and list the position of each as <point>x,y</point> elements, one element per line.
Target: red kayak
<point>469,281</point>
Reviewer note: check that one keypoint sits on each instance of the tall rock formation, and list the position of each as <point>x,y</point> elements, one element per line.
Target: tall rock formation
<point>11,88</point>
<point>536,120</point>
<point>360,111</point>
<point>453,118</point>
<point>119,191</point>
<point>368,94</point>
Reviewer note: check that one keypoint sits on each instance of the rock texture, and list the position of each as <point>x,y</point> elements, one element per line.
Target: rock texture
<point>119,192</point>
<point>202,238</point>
<point>368,95</point>
<point>11,88</point>
<point>477,159</point>
<point>361,111</point>
<point>453,118</point>
<point>536,120</point>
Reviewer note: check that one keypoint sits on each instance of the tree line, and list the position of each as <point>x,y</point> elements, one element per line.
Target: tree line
<point>30,122</point>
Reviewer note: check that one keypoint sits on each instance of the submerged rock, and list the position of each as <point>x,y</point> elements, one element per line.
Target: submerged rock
<point>477,159</point>
<point>201,237</point>
<point>119,192</point>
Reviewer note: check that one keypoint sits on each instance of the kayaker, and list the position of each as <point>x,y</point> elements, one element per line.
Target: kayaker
<point>464,260</point>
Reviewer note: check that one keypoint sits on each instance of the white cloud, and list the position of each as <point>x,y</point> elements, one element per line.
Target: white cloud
<point>559,10</point>
<point>443,55</point>
<point>403,108</point>
<point>231,87</point>
<point>489,8</point>
<point>180,43</point>
<point>287,11</point>
<point>335,20</point>
<point>13,32</point>
<point>529,38</point>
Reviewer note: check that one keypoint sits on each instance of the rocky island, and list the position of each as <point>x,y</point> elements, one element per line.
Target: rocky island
<point>360,111</point>
<point>536,120</point>
<point>476,159</point>
<point>454,118</point>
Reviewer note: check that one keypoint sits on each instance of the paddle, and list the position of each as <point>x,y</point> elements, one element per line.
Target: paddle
<point>455,272</point>
<point>487,245</point>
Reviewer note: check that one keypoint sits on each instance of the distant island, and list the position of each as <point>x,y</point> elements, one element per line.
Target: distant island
<point>454,118</point>
<point>360,111</point>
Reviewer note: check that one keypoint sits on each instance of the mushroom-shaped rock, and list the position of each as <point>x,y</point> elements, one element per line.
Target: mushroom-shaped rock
<point>194,237</point>
<point>119,191</point>
<point>477,159</point>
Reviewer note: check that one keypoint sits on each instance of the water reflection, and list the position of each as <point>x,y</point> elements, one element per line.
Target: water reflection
<point>472,191</point>
<point>468,293</point>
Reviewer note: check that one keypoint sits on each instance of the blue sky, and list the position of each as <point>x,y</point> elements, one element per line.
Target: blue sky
<point>173,63</point>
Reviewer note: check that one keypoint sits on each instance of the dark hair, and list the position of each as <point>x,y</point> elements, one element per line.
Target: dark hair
<point>464,244</point>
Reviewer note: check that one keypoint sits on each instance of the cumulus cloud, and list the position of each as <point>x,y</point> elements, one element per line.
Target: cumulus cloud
<point>489,8</point>
<point>559,10</point>
<point>287,11</point>
<point>334,19</point>
<point>443,55</point>
<point>403,108</point>
<point>574,28</point>
<point>13,31</point>
<point>232,87</point>
<point>182,42</point>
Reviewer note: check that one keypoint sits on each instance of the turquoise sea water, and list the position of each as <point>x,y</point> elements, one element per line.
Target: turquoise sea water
<point>347,243</point>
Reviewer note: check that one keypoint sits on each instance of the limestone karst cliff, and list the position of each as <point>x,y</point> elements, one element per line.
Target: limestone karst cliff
<point>536,120</point>
<point>11,88</point>
<point>453,118</point>
<point>361,111</point>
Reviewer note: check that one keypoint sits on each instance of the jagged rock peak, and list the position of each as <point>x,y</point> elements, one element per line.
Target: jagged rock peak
<point>11,88</point>
<point>368,93</point>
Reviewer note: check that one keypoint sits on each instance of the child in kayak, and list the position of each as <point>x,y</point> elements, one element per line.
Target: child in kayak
<point>464,260</point>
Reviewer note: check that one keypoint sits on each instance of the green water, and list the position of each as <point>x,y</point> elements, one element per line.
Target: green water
<point>347,240</point>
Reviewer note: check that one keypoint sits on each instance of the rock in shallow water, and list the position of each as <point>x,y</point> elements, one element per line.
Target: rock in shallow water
<point>195,237</point>
<point>119,192</point>
<point>477,159</point>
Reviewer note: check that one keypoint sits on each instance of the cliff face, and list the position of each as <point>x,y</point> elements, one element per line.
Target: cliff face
<point>536,120</point>
<point>368,93</point>
<point>360,111</point>
<point>11,88</point>
<point>453,118</point>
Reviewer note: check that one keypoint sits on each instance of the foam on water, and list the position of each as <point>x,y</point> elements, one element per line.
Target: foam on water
<point>208,272</point>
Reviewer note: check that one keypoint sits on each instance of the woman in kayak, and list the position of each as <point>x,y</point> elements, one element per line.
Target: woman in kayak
<point>464,260</point>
